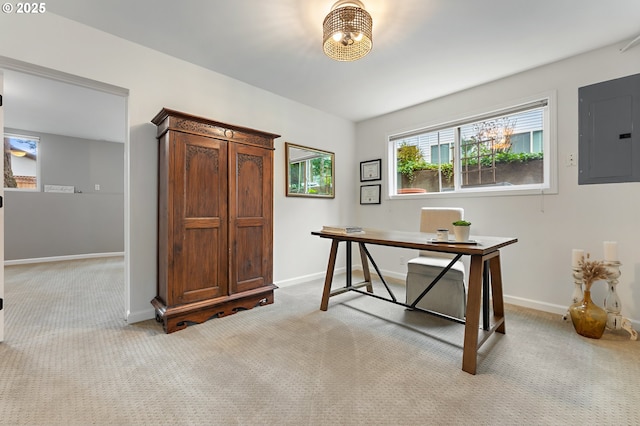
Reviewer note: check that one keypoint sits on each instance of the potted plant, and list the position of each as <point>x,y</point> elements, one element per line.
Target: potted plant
<point>410,159</point>
<point>461,230</point>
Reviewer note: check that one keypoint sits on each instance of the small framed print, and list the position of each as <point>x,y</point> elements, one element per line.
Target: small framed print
<point>370,194</point>
<point>370,170</point>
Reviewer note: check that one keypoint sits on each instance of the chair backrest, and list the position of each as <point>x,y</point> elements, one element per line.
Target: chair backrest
<point>434,218</point>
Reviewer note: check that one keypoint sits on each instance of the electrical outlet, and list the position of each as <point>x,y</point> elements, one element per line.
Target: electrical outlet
<point>571,160</point>
<point>97,186</point>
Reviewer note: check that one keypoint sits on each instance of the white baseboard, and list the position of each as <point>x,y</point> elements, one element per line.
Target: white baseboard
<point>535,304</point>
<point>396,276</point>
<point>547,307</point>
<point>513,300</point>
<point>148,314</point>
<point>139,316</point>
<point>61,258</point>
<point>518,301</point>
<point>306,278</point>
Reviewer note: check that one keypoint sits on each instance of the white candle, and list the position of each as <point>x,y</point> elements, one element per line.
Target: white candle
<point>611,251</point>
<point>576,257</point>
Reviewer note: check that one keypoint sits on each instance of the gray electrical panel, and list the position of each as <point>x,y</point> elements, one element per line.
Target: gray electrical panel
<point>608,147</point>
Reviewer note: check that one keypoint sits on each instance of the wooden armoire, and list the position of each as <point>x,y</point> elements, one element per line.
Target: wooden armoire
<point>215,219</point>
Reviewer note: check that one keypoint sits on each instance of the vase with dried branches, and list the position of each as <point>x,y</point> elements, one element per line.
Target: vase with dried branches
<point>589,319</point>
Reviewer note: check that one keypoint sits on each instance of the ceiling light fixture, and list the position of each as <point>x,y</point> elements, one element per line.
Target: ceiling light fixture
<point>18,153</point>
<point>347,32</point>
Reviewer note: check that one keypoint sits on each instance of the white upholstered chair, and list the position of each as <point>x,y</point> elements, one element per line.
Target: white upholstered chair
<point>448,296</point>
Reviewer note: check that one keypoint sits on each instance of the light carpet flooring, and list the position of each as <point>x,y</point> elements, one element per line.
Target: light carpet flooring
<point>70,359</point>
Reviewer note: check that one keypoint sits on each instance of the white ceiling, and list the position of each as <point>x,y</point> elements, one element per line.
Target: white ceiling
<point>422,49</point>
<point>48,106</point>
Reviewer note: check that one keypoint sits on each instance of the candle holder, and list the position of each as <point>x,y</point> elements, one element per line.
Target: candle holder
<point>577,295</point>
<point>612,304</point>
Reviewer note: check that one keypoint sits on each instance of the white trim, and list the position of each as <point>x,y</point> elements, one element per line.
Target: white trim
<point>400,278</point>
<point>306,278</point>
<point>61,258</point>
<point>546,307</point>
<point>2,252</point>
<point>517,107</point>
<point>147,314</point>
<point>631,43</point>
<point>534,304</point>
<point>27,68</point>
<point>127,211</point>
<point>549,186</point>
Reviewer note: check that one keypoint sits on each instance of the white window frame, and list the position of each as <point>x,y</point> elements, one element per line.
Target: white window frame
<point>550,162</point>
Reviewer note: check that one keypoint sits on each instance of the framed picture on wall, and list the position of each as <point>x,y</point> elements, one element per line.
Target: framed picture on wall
<point>370,170</point>
<point>370,194</point>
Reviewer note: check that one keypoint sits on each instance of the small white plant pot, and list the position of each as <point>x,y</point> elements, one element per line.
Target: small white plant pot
<point>461,233</point>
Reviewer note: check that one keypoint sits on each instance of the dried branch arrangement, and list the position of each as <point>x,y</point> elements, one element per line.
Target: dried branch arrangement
<point>593,270</point>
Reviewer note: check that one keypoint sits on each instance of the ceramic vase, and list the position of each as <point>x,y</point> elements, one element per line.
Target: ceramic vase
<point>461,232</point>
<point>588,319</point>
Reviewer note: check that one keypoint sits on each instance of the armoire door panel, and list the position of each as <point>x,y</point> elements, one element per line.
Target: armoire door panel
<point>200,269</point>
<point>250,217</point>
<point>204,175</point>
<point>200,218</point>
<point>250,257</point>
<point>250,175</point>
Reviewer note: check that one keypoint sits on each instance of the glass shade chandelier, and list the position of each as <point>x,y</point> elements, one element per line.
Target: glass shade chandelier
<point>347,34</point>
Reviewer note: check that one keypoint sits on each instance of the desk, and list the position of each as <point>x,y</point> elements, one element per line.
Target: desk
<point>484,276</point>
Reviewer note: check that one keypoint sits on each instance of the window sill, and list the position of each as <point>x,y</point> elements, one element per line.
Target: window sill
<point>476,192</point>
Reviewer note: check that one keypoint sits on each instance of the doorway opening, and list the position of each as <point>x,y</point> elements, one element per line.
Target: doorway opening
<point>83,133</point>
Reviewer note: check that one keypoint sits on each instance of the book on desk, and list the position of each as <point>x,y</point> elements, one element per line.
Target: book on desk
<point>343,229</point>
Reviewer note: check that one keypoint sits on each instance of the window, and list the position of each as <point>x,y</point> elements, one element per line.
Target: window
<point>21,162</point>
<point>508,150</point>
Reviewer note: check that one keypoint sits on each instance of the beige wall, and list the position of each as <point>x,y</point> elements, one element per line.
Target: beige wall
<point>537,270</point>
<point>155,80</point>
<point>51,225</point>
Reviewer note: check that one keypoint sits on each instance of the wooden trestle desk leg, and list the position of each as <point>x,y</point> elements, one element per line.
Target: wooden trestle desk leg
<point>365,267</point>
<point>324,304</point>
<point>496,292</point>
<point>474,302</point>
<point>472,322</point>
